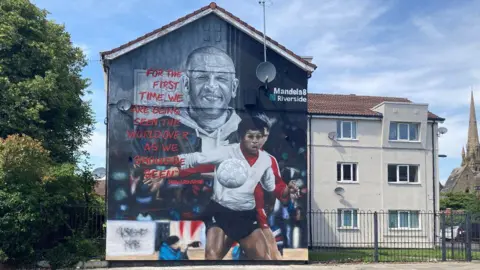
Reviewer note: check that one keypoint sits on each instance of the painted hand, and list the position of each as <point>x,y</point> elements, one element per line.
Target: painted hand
<point>155,186</point>
<point>293,189</point>
<point>150,180</point>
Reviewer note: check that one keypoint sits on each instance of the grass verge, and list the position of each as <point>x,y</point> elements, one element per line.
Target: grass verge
<point>387,255</point>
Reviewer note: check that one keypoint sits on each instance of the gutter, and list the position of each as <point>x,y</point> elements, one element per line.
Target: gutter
<point>360,116</point>
<point>439,119</point>
<point>310,180</point>
<point>434,186</point>
<point>344,115</point>
<point>106,72</point>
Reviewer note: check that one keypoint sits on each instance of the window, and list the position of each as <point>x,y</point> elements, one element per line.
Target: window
<point>403,219</point>
<point>402,173</point>
<point>346,130</point>
<point>347,172</point>
<point>347,218</point>
<point>404,131</point>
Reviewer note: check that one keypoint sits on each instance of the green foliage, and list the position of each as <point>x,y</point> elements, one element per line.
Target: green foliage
<point>75,249</point>
<point>460,201</point>
<point>33,193</point>
<point>40,81</point>
<point>23,199</point>
<point>41,90</point>
<point>3,256</point>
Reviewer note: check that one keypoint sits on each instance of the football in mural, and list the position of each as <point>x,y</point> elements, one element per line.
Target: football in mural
<point>232,173</point>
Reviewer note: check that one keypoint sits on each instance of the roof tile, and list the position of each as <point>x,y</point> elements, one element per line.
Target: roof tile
<point>351,105</point>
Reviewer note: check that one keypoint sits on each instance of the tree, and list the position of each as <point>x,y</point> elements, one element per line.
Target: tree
<point>41,87</point>
<point>460,201</point>
<point>34,193</point>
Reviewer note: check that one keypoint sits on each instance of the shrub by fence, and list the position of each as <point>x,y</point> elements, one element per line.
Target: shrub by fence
<point>81,237</point>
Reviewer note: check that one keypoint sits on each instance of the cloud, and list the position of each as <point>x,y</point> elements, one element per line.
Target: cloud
<point>93,8</point>
<point>85,48</point>
<point>357,50</point>
<point>97,143</point>
<point>425,25</point>
<point>452,142</point>
<point>427,53</point>
<point>429,56</point>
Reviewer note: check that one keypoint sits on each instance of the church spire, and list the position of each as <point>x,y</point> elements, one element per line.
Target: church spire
<point>472,142</point>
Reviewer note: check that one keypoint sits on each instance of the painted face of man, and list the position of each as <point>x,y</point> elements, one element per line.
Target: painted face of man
<point>251,141</point>
<point>265,138</point>
<point>212,82</point>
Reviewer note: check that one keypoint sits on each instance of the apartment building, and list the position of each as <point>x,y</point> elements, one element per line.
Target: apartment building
<point>372,154</point>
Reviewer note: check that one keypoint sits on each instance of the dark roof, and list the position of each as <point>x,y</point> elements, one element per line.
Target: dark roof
<point>212,6</point>
<point>352,105</point>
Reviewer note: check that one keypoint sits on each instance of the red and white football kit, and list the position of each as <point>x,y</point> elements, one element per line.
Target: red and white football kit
<point>260,171</point>
<point>258,192</point>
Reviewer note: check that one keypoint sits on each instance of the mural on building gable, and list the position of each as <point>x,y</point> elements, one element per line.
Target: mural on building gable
<point>196,175</point>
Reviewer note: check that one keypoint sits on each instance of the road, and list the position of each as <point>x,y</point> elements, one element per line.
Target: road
<point>419,266</point>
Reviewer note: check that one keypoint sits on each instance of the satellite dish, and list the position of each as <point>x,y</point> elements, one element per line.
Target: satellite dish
<point>124,105</point>
<point>442,130</point>
<point>339,190</point>
<point>99,173</point>
<point>266,72</point>
<point>332,135</point>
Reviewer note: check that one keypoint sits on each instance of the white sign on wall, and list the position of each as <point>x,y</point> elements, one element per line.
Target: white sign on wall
<point>130,238</point>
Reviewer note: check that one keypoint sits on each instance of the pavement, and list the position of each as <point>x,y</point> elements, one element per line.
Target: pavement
<point>397,266</point>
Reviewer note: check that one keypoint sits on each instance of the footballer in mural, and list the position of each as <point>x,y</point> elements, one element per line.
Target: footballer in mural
<point>206,178</point>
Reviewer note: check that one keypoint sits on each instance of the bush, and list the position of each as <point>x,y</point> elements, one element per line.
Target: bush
<point>75,249</point>
<point>25,207</point>
<point>33,194</point>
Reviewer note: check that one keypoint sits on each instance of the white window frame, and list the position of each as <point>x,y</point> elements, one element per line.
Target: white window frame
<point>397,169</point>
<point>341,214</point>
<point>342,180</point>
<point>352,123</point>
<point>409,212</point>
<point>397,139</point>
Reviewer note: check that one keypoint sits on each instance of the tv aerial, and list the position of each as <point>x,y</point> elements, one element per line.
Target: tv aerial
<point>339,191</point>
<point>265,71</point>
<point>332,135</point>
<point>442,130</point>
<point>99,173</point>
<point>124,105</point>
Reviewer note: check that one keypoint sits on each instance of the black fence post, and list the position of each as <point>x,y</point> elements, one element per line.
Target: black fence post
<point>444,243</point>
<point>468,232</point>
<point>310,229</point>
<point>452,239</point>
<point>375,236</point>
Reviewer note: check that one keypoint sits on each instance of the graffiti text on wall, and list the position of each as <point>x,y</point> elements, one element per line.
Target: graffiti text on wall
<point>131,237</point>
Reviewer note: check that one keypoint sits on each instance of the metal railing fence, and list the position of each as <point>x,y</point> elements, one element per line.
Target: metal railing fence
<point>393,236</point>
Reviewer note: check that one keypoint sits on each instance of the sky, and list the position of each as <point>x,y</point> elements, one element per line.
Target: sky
<point>427,51</point>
